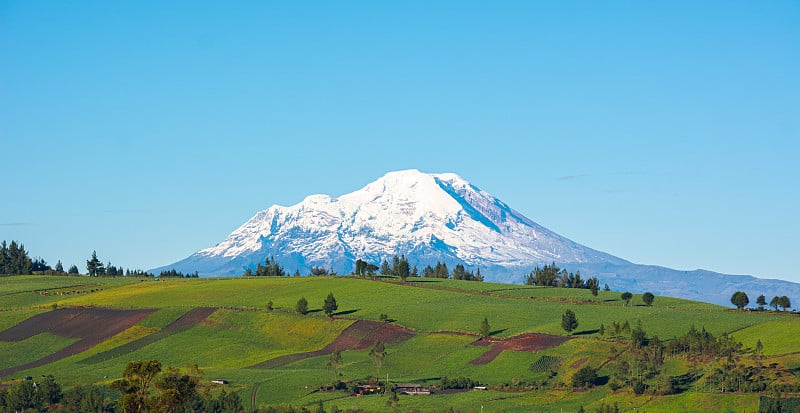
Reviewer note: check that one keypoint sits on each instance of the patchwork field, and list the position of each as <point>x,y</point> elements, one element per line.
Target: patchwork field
<point>277,356</point>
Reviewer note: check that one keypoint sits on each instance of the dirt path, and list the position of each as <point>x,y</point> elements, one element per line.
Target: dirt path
<point>90,325</point>
<point>358,336</point>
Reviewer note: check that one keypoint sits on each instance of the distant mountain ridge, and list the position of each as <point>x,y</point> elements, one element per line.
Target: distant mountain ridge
<point>441,217</point>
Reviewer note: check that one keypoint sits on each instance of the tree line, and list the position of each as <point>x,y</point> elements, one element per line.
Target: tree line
<point>400,267</point>
<point>15,260</point>
<point>552,276</point>
<point>144,387</point>
<point>741,300</point>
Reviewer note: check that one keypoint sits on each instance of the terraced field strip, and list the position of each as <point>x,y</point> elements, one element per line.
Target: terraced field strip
<point>530,342</point>
<point>183,323</point>
<point>89,324</point>
<point>358,336</point>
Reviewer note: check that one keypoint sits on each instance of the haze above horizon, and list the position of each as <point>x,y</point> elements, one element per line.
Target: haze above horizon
<point>665,134</point>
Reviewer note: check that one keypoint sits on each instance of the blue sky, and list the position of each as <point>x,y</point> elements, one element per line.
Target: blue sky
<point>665,133</point>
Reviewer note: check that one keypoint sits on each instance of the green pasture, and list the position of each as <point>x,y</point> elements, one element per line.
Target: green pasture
<point>28,291</point>
<point>31,349</point>
<point>229,339</point>
<point>445,315</point>
<point>12,317</point>
<point>414,306</point>
<point>779,335</point>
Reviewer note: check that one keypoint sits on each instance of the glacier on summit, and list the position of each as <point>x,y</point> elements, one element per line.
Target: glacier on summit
<point>430,218</point>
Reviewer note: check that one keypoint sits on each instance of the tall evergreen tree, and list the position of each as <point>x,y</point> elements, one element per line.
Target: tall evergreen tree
<point>402,268</point>
<point>94,266</point>
<point>14,260</point>
<point>59,266</point>
<point>329,306</point>
<point>484,327</point>
<point>568,321</point>
<point>302,306</point>
<point>4,258</point>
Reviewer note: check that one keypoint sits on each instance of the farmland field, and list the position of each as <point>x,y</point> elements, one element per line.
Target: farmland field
<point>223,326</point>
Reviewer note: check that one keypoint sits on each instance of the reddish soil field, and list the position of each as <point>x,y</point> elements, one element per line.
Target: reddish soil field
<point>89,324</point>
<point>530,342</point>
<point>360,335</point>
<point>191,318</point>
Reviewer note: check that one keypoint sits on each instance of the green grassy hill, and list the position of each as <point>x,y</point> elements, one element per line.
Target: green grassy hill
<point>444,315</point>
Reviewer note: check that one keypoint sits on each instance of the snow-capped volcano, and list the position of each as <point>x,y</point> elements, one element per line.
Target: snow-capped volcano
<point>440,217</point>
<point>427,217</point>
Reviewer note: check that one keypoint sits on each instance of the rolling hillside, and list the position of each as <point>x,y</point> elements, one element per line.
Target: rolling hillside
<point>279,357</point>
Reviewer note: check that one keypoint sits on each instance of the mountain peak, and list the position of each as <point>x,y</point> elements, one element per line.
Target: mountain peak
<point>428,217</point>
<point>438,217</point>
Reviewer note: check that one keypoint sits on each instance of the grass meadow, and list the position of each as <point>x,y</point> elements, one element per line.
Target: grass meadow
<point>444,314</point>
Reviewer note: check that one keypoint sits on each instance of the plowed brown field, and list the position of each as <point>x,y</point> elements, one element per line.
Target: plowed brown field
<point>90,325</point>
<point>530,342</point>
<point>358,336</point>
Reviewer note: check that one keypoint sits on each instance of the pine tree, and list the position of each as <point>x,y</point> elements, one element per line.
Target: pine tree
<point>94,266</point>
<point>4,261</point>
<point>568,321</point>
<point>330,305</point>
<point>485,327</point>
<point>59,266</point>
<point>302,306</point>
<point>402,268</point>
<point>395,265</point>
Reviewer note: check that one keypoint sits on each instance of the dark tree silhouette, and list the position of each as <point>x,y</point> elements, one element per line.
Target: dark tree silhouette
<point>568,321</point>
<point>740,300</point>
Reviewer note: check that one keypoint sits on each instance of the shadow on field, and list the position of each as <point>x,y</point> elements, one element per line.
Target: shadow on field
<point>428,379</point>
<point>496,332</point>
<point>346,312</point>
<point>585,332</point>
<point>683,383</point>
